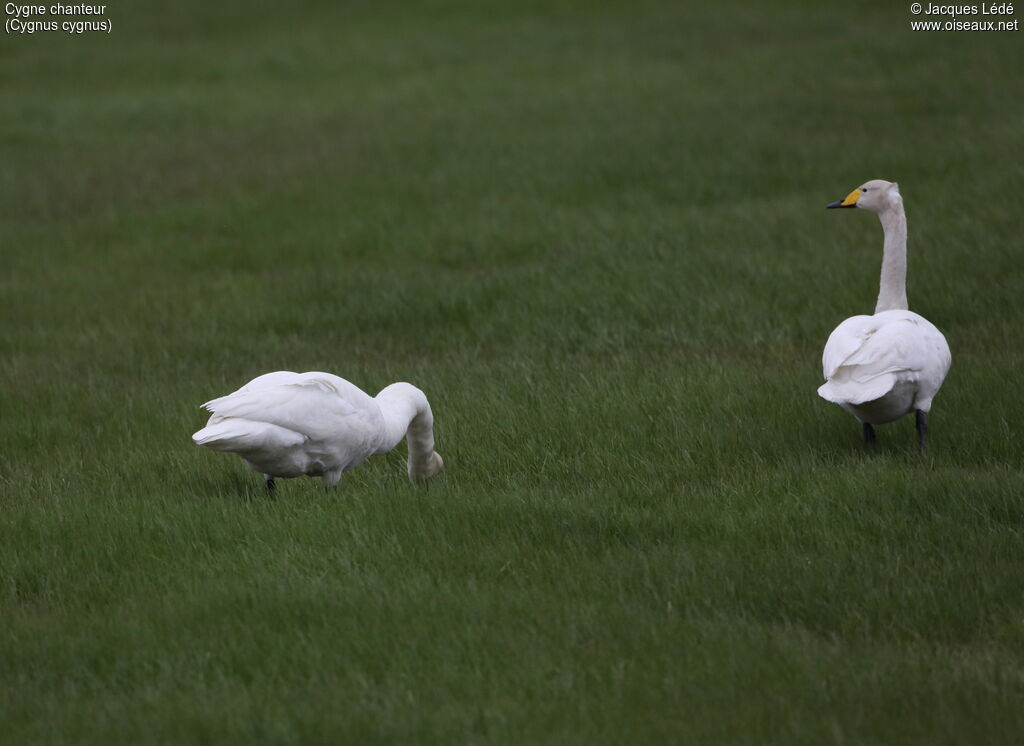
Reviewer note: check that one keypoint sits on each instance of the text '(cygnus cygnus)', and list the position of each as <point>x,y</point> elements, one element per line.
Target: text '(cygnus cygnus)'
<point>881,367</point>
<point>288,424</point>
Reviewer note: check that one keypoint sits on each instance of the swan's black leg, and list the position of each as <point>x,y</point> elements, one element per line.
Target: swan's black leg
<point>869,434</point>
<point>271,485</point>
<point>922,430</point>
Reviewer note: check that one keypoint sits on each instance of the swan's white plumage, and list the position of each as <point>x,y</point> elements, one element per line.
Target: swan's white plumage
<point>895,358</point>
<point>286,424</point>
<point>884,366</point>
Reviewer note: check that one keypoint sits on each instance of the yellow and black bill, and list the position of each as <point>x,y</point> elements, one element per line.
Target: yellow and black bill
<point>849,201</point>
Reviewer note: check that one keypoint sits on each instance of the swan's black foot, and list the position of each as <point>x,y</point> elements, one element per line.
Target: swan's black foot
<point>270,483</point>
<point>869,434</point>
<point>922,430</point>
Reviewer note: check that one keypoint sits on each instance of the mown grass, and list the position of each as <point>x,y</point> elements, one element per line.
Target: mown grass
<point>594,235</point>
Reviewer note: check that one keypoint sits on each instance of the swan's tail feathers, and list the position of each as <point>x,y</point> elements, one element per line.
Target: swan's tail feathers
<point>242,436</point>
<point>843,388</point>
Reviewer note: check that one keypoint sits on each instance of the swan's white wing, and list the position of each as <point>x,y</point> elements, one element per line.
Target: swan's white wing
<point>844,342</point>
<point>245,436</point>
<point>318,406</point>
<point>866,355</point>
<point>272,379</point>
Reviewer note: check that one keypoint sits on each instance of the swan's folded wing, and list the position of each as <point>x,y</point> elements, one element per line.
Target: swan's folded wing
<point>845,340</point>
<point>868,348</point>
<point>242,435</point>
<point>311,405</point>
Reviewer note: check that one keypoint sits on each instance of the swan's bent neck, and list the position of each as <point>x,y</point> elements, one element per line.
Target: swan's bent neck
<point>407,413</point>
<point>892,288</point>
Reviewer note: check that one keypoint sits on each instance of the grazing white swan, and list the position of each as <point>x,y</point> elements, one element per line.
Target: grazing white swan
<point>286,424</point>
<point>879,368</point>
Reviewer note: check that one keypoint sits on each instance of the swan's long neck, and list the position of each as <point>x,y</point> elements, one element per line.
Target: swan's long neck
<point>407,413</point>
<point>892,289</point>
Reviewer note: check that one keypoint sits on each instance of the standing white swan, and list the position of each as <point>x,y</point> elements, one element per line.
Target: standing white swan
<point>286,424</point>
<point>879,368</point>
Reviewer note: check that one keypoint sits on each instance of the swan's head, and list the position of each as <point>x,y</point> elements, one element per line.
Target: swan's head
<point>876,195</point>
<point>426,471</point>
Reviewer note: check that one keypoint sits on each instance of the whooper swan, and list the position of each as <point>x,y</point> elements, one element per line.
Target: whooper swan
<point>879,368</point>
<point>286,424</point>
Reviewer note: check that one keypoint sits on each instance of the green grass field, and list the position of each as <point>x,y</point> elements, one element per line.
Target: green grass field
<point>594,234</point>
